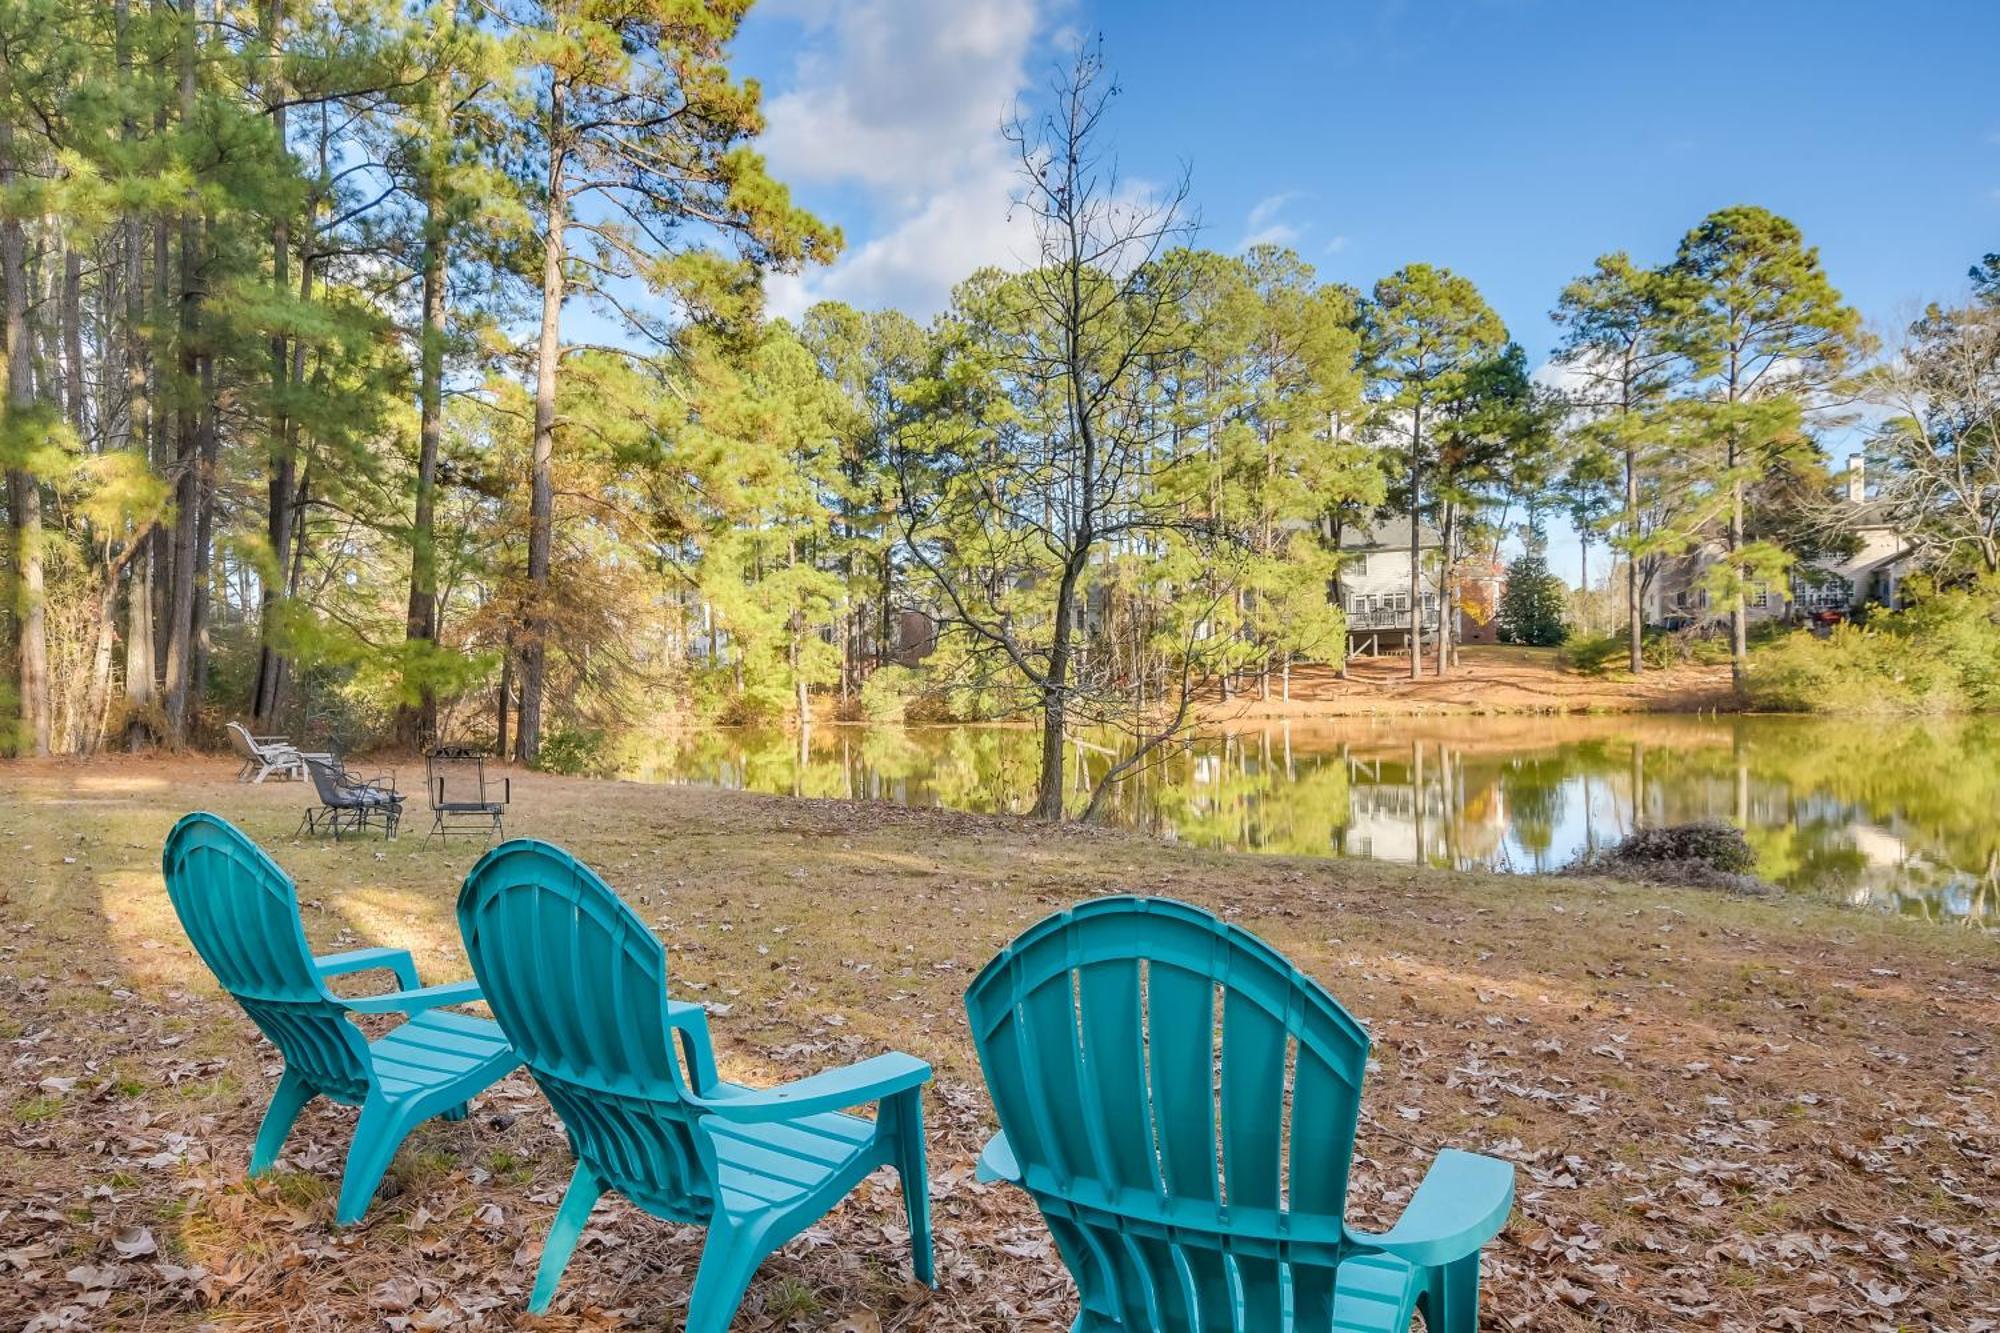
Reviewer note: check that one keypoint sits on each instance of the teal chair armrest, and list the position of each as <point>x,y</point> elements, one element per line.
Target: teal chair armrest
<point>691,1022</point>
<point>414,1001</point>
<point>834,1090</point>
<point>996,1162</point>
<point>1462,1203</point>
<point>397,961</point>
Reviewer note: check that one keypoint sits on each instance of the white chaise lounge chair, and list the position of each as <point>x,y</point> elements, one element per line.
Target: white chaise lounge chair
<point>264,755</point>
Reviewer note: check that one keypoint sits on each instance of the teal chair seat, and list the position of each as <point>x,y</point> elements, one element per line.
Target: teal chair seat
<point>1181,1104</point>
<point>241,913</point>
<point>772,1167</point>
<point>580,986</point>
<point>435,1052</point>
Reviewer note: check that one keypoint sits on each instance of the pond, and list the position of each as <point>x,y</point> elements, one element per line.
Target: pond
<point>1903,816</point>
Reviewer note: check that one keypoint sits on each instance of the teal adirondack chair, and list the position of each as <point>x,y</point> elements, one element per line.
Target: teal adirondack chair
<point>242,914</point>
<point>1122,1041</point>
<point>580,985</point>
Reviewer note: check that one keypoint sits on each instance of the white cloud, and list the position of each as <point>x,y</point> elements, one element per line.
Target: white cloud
<point>1566,377</point>
<point>905,99</point>
<point>1265,226</point>
<point>914,265</point>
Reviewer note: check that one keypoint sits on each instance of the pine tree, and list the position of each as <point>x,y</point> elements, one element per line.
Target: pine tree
<point>1620,343</point>
<point>874,359</point>
<point>1768,335</point>
<point>1532,604</point>
<point>1428,330</point>
<point>638,116</point>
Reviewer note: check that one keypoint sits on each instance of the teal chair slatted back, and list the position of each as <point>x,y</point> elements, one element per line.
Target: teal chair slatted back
<point>241,912</point>
<point>580,986</point>
<point>1140,1053</point>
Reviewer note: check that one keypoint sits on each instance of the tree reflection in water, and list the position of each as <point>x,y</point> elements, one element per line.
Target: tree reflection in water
<point>1899,815</point>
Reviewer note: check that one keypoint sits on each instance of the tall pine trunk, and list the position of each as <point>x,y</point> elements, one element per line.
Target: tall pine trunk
<point>885,646</point>
<point>418,721</point>
<point>163,450</point>
<point>1739,609</point>
<point>1635,628</point>
<point>187,453</point>
<point>72,341</point>
<point>281,463</point>
<point>541,487</point>
<point>24,491</point>
<point>209,467</point>
<point>500,705</point>
<point>1416,543</point>
<point>139,656</point>
<point>1447,586</point>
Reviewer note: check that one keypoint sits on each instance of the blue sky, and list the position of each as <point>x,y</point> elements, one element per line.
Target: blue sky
<point>1512,140</point>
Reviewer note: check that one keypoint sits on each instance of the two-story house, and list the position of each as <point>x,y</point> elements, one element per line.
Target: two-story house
<point>1373,587</point>
<point>1831,588</point>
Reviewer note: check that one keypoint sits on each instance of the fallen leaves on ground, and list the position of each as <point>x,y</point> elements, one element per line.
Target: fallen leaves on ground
<point>1723,1115</point>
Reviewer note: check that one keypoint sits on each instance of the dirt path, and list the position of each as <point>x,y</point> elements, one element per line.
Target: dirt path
<point>1724,1114</point>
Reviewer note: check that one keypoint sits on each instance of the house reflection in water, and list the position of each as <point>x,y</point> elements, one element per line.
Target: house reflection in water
<point>1890,815</point>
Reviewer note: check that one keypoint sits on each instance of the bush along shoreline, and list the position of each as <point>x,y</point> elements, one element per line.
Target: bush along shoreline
<point>1940,655</point>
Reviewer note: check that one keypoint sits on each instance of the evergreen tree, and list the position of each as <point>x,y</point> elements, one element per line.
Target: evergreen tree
<point>875,360</point>
<point>1768,336</point>
<point>1621,347</point>
<point>1428,330</point>
<point>638,141</point>
<point>1533,603</point>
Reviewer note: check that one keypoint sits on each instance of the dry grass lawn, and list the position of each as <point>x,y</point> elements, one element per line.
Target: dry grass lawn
<point>1725,1114</point>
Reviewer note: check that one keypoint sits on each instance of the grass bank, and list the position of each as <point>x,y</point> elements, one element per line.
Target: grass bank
<point>1726,1114</point>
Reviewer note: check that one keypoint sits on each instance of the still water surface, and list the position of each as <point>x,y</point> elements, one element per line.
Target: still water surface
<point>1902,816</point>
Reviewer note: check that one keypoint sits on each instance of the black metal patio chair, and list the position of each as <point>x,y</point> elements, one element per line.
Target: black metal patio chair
<point>463,799</point>
<point>347,803</point>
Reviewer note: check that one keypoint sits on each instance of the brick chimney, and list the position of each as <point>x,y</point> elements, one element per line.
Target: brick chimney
<point>1857,479</point>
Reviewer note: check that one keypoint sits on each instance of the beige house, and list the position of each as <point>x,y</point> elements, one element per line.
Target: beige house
<point>1374,587</point>
<point>1833,588</point>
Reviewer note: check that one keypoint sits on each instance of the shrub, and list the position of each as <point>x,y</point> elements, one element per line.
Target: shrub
<point>574,751</point>
<point>1852,670</point>
<point>1600,654</point>
<point>886,695</point>
<point>1706,854</point>
<point>1960,629</point>
<point>1940,655</point>
<point>1594,654</point>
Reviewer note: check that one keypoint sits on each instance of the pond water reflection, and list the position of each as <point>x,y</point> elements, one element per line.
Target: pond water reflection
<point>1899,815</point>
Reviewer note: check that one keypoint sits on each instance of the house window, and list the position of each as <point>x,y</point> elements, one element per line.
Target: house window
<point>1834,594</point>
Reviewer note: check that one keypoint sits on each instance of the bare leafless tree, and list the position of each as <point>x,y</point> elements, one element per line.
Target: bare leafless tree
<point>1939,450</point>
<point>1050,452</point>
